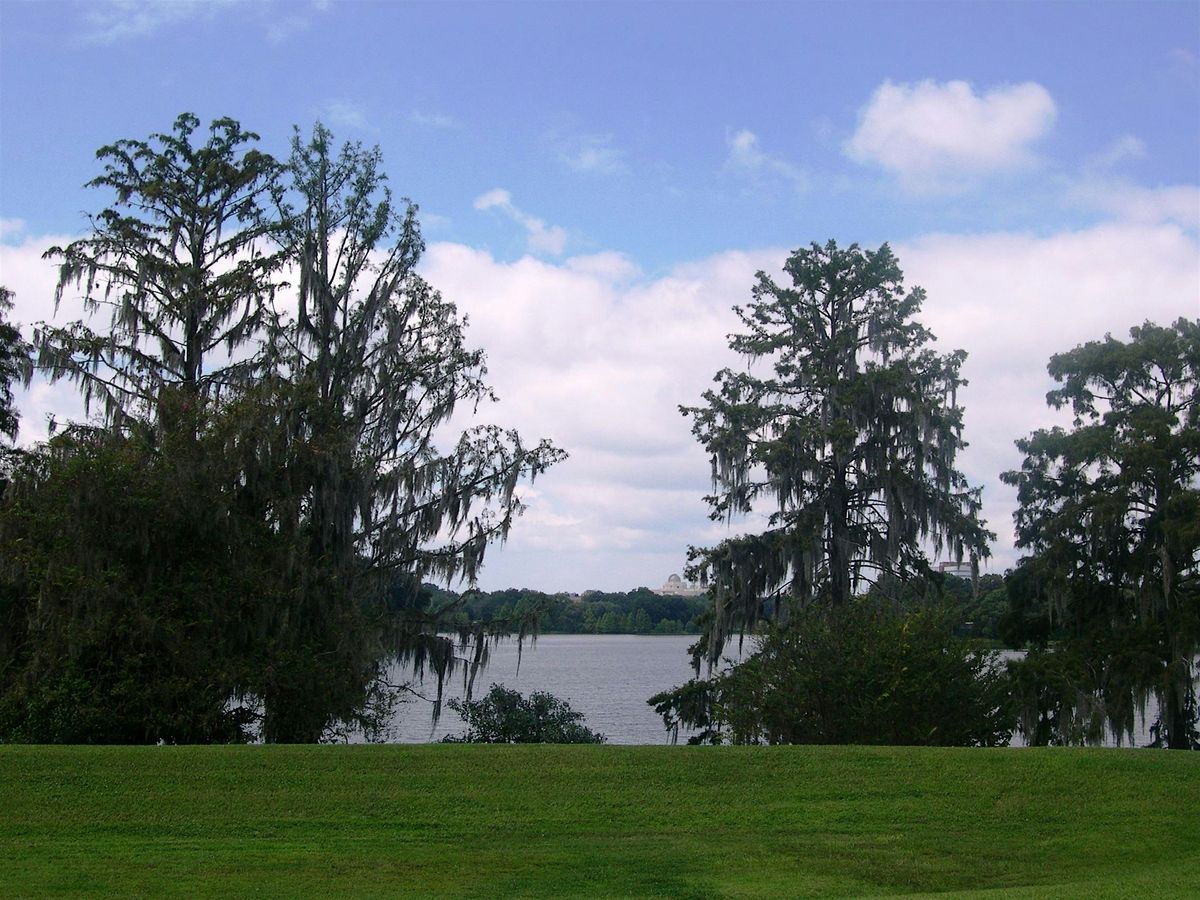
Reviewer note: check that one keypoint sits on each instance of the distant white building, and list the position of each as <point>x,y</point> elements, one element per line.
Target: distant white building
<point>961,569</point>
<point>677,587</point>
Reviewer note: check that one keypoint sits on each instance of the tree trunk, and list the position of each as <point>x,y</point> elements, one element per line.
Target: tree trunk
<point>839,542</point>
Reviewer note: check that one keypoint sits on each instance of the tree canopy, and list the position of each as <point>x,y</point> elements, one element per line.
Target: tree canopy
<point>847,442</point>
<point>1110,512</point>
<point>183,262</point>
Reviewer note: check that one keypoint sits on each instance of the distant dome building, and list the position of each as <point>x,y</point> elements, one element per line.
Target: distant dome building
<point>677,587</point>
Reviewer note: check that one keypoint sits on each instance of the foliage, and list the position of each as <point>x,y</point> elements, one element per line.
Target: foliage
<point>848,443</point>
<point>867,672</point>
<point>182,262</point>
<point>505,717</point>
<point>128,593</point>
<point>373,362</point>
<point>976,606</point>
<point>293,425</point>
<point>1110,512</point>
<point>14,365</point>
<point>559,821</point>
<point>640,611</point>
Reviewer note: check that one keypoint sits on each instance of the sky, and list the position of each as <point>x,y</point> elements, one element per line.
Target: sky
<point>599,182</point>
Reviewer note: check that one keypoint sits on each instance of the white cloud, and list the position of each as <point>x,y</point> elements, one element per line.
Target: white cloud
<point>11,228</point>
<point>587,354</point>
<point>542,238</point>
<point>1126,147</point>
<point>345,114</point>
<point>933,135</point>
<point>1013,300</point>
<point>608,266</point>
<point>1131,202</point>
<point>747,156</point>
<point>601,367</point>
<point>108,21</point>
<point>32,281</point>
<point>432,120</point>
<point>593,153</point>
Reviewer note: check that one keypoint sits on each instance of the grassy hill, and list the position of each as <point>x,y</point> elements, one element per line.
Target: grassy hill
<point>668,821</point>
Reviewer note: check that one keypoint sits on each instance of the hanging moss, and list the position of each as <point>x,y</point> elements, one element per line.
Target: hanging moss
<point>847,440</point>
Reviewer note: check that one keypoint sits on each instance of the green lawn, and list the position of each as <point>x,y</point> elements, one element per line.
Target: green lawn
<point>670,821</point>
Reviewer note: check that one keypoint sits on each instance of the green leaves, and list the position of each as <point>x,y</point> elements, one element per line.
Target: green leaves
<point>864,673</point>
<point>505,717</point>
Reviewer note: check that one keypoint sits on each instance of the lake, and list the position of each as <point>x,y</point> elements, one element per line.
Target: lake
<point>607,677</point>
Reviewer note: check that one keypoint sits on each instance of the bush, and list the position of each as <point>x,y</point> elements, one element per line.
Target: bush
<point>864,673</point>
<point>505,717</point>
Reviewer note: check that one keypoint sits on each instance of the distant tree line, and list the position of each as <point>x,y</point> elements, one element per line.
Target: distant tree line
<point>640,611</point>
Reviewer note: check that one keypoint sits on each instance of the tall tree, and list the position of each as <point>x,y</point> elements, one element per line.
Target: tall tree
<point>848,442</point>
<point>183,262</point>
<point>370,364</point>
<point>1110,511</point>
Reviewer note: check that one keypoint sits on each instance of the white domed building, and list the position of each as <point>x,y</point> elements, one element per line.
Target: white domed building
<point>677,587</point>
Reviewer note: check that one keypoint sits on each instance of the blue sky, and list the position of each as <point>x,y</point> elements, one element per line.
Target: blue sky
<point>613,167</point>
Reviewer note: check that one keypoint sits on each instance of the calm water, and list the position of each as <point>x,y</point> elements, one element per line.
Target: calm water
<point>606,677</point>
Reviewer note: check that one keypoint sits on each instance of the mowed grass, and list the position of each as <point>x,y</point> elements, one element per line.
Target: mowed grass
<point>630,821</point>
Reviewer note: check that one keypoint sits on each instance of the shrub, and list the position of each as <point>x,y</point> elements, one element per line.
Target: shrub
<point>864,673</point>
<point>505,717</point>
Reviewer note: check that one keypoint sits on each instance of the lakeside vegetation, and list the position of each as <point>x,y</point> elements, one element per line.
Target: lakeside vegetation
<point>595,820</point>
<point>980,609</point>
<point>640,611</point>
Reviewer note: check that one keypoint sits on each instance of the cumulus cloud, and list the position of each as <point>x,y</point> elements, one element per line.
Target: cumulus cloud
<point>747,156</point>
<point>601,365</point>
<point>934,134</point>
<point>598,359</point>
<point>32,281</point>
<point>608,266</point>
<point>542,238</point>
